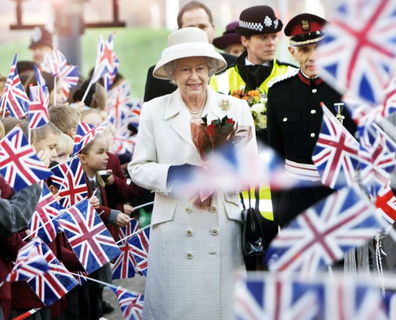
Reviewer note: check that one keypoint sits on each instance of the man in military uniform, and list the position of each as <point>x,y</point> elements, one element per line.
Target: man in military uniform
<point>295,116</point>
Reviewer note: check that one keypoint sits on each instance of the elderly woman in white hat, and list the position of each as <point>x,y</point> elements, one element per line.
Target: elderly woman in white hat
<point>194,252</point>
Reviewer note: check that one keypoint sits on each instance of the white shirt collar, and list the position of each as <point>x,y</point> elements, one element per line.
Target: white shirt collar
<point>248,63</point>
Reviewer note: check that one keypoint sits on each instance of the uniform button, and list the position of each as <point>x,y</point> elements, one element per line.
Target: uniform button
<point>313,111</point>
<point>189,255</point>
<point>314,90</point>
<point>186,162</point>
<point>312,135</point>
<point>214,208</point>
<point>189,232</point>
<point>214,232</point>
<point>188,209</point>
<point>284,119</point>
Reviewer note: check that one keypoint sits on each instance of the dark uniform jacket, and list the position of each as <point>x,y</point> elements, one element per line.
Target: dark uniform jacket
<point>156,87</point>
<point>294,118</point>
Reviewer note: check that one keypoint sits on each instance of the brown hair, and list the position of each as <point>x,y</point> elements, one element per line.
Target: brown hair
<point>85,151</point>
<point>64,117</point>
<point>10,123</point>
<point>41,133</point>
<point>190,6</point>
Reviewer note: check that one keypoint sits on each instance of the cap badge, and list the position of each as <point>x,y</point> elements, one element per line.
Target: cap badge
<point>224,104</point>
<point>36,35</point>
<point>305,25</point>
<point>267,21</point>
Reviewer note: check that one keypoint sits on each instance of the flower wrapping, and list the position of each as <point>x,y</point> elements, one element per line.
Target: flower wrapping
<point>257,101</point>
<point>214,136</point>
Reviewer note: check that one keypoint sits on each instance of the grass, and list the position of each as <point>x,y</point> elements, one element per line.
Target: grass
<point>137,49</point>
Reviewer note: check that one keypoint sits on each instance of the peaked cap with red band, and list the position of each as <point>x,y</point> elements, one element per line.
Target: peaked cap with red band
<point>305,29</point>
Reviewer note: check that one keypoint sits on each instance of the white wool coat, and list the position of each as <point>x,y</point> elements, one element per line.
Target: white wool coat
<point>193,253</point>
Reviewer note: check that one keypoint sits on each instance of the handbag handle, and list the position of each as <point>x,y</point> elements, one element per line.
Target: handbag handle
<point>243,202</point>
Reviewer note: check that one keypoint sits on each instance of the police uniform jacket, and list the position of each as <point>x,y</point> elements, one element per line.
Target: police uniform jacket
<point>294,118</point>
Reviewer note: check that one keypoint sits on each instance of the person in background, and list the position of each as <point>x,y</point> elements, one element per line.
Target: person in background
<point>64,149</point>
<point>96,97</point>
<point>65,118</point>
<point>193,14</point>
<point>41,43</point>
<point>295,117</point>
<point>230,41</point>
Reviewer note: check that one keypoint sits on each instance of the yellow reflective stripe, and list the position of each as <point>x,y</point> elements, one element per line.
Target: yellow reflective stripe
<point>265,204</point>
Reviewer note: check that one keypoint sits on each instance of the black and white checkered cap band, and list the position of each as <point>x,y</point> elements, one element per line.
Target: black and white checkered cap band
<point>257,26</point>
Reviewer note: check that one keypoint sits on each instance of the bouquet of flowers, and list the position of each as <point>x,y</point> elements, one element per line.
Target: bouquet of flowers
<point>210,137</point>
<point>257,101</point>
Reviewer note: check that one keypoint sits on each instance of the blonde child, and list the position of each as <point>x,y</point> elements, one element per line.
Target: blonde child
<point>64,150</point>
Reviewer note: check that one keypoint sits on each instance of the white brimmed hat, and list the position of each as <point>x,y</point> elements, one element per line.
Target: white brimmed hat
<point>185,43</point>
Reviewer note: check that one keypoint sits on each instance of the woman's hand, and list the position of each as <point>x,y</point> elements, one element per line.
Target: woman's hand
<point>122,220</point>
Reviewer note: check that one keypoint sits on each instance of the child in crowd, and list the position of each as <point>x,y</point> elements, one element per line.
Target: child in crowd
<point>65,118</point>
<point>64,150</point>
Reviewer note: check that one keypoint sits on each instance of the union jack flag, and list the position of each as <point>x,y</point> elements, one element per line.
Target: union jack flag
<point>29,263</point>
<point>322,234</point>
<point>385,202</point>
<point>39,77</point>
<point>108,78</point>
<point>38,109</point>
<point>56,282</point>
<point>123,267</point>
<point>85,133</point>
<point>53,63</point>
<point>123,142</point>
<point>346,298</point>
<point>19,164</point>
<point>69,178</point>
<point>43,223</point>
<point>377,158</point>
<point>358,50</point>
<point>336,153</point>
<point>88,236</point>
<point>104,59</point>
<point>131,303</point>
<point>119,104</point>
<point>69,78</point>
<point>275,296</point>
<point>14,97</point>
<point>139,245</point>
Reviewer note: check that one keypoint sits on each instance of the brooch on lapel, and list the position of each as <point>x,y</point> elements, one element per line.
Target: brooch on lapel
<point>224,105</point>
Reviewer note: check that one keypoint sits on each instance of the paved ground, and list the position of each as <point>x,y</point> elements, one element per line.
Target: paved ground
<point>135,284</point>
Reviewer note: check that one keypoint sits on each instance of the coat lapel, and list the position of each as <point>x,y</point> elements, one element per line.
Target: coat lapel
<point>212,108</point>
<point>177,113</point>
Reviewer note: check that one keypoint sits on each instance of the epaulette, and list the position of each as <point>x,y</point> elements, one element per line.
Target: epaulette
<point>291,72</point>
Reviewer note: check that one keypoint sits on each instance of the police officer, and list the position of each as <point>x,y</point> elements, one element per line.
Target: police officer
<point>41,42</point>
<point>295,117</point>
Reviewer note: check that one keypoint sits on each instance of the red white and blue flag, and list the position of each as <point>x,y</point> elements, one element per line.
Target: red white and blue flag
<point>19,164</point>
<point>38,109</point>
<point>377,158</point>
<point>85,133</point>
<point>104,59</point>
<point>69,78</point>
<point>29,263</point>
<point>323,233</point>
<point>53,63</point>
<point>359,48</point>
<point>69,178</point>
<point>385,203</point>
<point>119,104</point>
<point>131,303</point>
<point>43,223</point>
<point>39,77</point>
<point>139,245</point>
<point>14,97</point>
<point>108,78</point>
<point>56,282</point>
<point>123,267</point>
<point>336,153</point>
<point>275,296</point>
<point>88,236</point>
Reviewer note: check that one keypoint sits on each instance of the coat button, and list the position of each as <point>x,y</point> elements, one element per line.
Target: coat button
<point>312,135</point>
<point>284,119</point>
<point>214,208</point>
<point>188,209</point>
<point>215,232</point>
<point>313,111</point>
<point>314,90</point>
<point>189,255</point>
<point>189,232</point>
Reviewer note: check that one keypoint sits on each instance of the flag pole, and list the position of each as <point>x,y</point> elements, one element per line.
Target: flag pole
<point>55,91</point>
<point>86,91</point>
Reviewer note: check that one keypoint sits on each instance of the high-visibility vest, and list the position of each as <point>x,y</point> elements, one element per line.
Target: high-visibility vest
<point>230,80</point>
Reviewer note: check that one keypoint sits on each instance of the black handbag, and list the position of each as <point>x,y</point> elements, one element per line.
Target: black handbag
<point>253,243</point>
